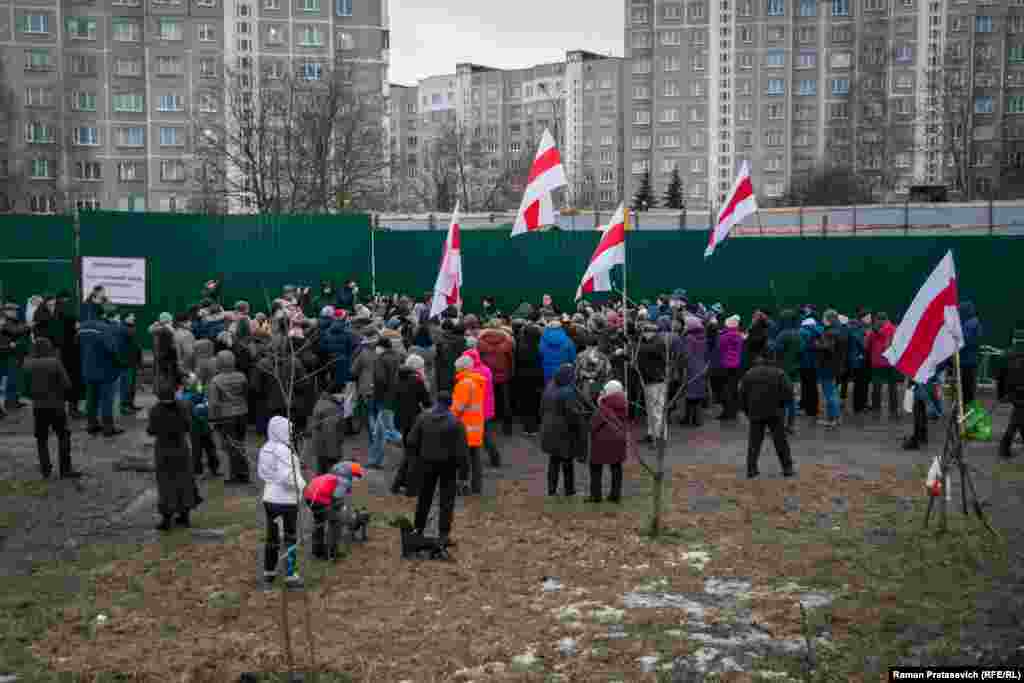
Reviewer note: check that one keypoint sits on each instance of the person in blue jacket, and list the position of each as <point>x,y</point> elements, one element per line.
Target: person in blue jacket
<point>337,345</point>
<point>556,349</point>
<point>100,371</point>
<point>973,331</point>
<point>810,330</point>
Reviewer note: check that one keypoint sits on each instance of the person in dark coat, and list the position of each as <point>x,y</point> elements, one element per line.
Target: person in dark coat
<point>764,391</point>
<point>411,399</point>
<point>561,432</point>
<point>437,443</point>
<point>529,378</point>
<point>99,350</point>
<point>450,342</point>
<point>1010,387</point>
<point>696,344</point>
<point>785,350</point>
<point>337,345</point>
<point>14,336</point>
<point>973,331</point>
<point>228,395</point>
<point>831,350</point>
<point>609,441</point>
<point>64,333</point>
<point>131,363</point>
<point>47,384</point>
<point>170,423</point>
<point>166,364</point>
<point>327,430</point>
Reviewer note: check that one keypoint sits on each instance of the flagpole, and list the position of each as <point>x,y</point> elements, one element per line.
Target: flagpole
<point>625,231</point>
<point>373,257</point>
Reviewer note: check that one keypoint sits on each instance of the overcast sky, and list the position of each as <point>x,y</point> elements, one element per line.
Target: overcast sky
<point>428,37</point>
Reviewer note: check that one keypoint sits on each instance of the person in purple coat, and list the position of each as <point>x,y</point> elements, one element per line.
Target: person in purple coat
<point>696,370</point>
<point>730,353</point>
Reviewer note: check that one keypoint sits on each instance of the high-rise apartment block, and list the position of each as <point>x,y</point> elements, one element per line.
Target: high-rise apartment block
<point>106,93</point>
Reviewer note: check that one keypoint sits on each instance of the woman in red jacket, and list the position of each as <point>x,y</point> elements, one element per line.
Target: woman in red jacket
<point>609,436</point>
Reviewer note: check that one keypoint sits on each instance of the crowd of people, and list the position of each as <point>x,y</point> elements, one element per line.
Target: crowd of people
<point>443,388</point>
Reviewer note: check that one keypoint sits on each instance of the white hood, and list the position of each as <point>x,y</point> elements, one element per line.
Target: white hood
<point>279,430</point>
<point>279,467</point>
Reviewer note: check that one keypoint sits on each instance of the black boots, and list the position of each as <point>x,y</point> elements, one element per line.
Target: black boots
<point>183,520</point>
<point>165,523</point>
<point>109,429</point>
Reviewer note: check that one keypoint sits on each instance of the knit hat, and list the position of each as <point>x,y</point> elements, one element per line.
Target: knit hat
<point>614,319</point>
<point>612,387</point>
<point>843,320</point>
<point>444,398</point>
<point>340,314</point>
<point>166,318</point>
<point>394,324</point>
<point>809,322</point>
<point>327,312</point>
<point>129,319</point>
<point>732,322</point>
<point>242,306</point>
<point>555,324</point>
<point>679,294</point>
<point>414,362</point>
<point>693,323</point>
<point>463,362</point>
<point>471,342</point>
<point>578,319</point>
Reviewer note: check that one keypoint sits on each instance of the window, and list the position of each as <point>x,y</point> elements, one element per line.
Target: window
<point>669,165</point>
<point>838,110</point>
<point>808,8</point>
<point>171,137</point>
<point>207,34</point>
<point>775,111</point>
<point>170,102</point>
<point>1015,23</point>
<point>776,8</point>
<point>641,166</point>
<point>35,23</point>
<point>208,103</point>
<point>38,97</point>
<point>127,3</point>
<point>346,41</point>
<point>670,37</point>
<point>88,170</point>
<point>904,82</point>
<point>698,165</point>
<point>698,62</point>
<point>840,8</point>
<point>170,66</point>
<point>776,86</point>
<point>745,34</point>
<point>641,117</point>
<point>904,54</point>
<point>671,63</point>
<point>39,133</point>
<point>808,87</point>
<point>514,147</point>
<point>312,71</point>
<point>607,176</point>
<point>696,10</point>
<point>42,204</point>
<point>983,185</point>
<point>642,66</point>
<point>607,140</point>
<point>1016,55</point>
<point>640,16</point>
<point>641,92</point>
<point>606,83</point>
<point>131,137</point>
<point>85,135</point>
<point>172,171</point>
<point>842,34</point>
<point>773,164</point>
<point>776,33</point>
<point>904,106</point>
<point>641,142</point>
<point>696,114</point>
<point>697,36</point>
<point>670,115</point>
<point>310,36</point>
<point>746,61</point>
<point>983,104</point>
<point>983,24</point>
<point>673,11</point>
<point>206,3</point>
<point>40,168</point>
<point>806,34</point>
<point>83,101</point>
<point>776,57</point>
<point>840,86</point>
<point>1015,104</point>
<point>808,59</point>
<point>670,89</point>
<point>129,102</point>
<point>746,112</point>
<point>773,189</point>
<point>343,8</point>
<point>902,160</point>
<point>82,65</point>
<point>697,139</point>
<point>641,39</point>
<point>38,59</point>
<point>698,88</point>
<point>127,31</point>
<point>805,112</point>
<point>170,29</point>
<point>81,28</point>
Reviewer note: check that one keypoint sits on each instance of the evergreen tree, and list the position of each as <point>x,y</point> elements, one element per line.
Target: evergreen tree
<point>643,199</point>
<point>674,193</point>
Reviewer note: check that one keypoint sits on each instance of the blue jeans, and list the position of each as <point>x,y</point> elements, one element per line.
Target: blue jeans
<point>791,408</point>
<point>926,394</point>
<point>9,373</point>
<point>100,401</point>
<point>828,388</point>
<point>380,423</point>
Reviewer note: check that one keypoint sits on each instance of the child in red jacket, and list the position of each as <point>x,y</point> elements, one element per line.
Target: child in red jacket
<point>326,496</point>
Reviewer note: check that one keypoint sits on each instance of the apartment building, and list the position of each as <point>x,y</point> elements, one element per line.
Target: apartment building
<point>790,85</point>
<point>505,111</point>
<point>108,92</point>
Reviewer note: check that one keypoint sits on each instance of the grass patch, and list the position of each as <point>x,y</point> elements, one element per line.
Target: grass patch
<point>25,487</point>
<point>1008,472</point>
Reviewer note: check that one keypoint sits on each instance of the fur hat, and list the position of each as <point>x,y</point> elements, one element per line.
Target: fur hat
<point>612,387</point>
<point>463,362</point>
<point>717,309</point>
<point>327,312</point>
<point>166,318</point>
<point>414,361</point>
<point>732,322</point>
<point>843,320</point>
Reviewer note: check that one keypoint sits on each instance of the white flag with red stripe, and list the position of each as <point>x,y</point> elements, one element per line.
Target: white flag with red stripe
<point>546,174</point>
<point>610,252</point>
<point>447,290</point>
<point>740,204</point>
<point>930,332</point>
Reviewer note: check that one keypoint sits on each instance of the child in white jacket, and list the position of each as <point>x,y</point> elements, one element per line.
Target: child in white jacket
<point>281,471</point>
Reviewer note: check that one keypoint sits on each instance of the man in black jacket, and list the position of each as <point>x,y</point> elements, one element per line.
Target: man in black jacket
<point>48,385</point>
<point>764,391</point>
<point>437,444</point>
<point>1010,383</point>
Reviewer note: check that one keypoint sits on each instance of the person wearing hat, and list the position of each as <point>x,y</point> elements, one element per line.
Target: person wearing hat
<point>468,406</point>
<point>528,378</point>
<point>764,392</point>
<point>64,335</point>
<point>437,443</point>
<point>48,384</point>
<point>170,422</point>
<point>450,343</point>
<point>730,353</point>
<point>327,496</point>
<point>879,338</point>
<point>100,371</point>
<point>651,358</point>
<point>609,441</point>
<point>810,331</point>
<point>382,404</point>
<point>831,351</point>
<point>561,431</point>
<point>14,335</point>
<point>556,349</point>
<point>131,362</point>
<point>497,347</point>
<point>167,366</point>
<point>92,307</point>
<point>696,348</point>
<point>411,399</point>
<point>547,302</point>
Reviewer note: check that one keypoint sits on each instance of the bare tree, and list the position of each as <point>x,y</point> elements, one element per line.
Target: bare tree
<point>830,185</point>
<point>11,168</point>
<point>304,142</point>
<point>457,165</point>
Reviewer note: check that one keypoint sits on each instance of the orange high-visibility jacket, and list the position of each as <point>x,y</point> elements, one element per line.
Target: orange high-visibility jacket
<point>468,405</point>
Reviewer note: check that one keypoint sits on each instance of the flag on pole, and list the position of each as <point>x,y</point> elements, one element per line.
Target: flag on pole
<point>930,332</point>
<point>622,215</point>
<point>610,252</point>
<point>740,204</point>
<point>449,277</point>
<point>546,174</point>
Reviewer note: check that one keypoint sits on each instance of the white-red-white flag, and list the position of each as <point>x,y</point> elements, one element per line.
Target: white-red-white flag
<point>930,332</point>
<point>610,252</point>
<point>740,204</point>
<point>447,290</point>
<point>546,174</point>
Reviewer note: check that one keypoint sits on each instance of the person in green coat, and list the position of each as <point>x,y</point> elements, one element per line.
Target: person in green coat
<point>131,361</point>
<point>785,349</point>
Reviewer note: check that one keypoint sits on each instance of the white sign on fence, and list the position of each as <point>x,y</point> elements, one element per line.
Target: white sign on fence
<point>123,278</point>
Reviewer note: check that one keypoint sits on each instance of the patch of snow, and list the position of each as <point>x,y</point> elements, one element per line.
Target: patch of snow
<point>567,647</point>
<point>675,633</point>
<point>648,663</point>
<point>816,600</point>
<point>551,585</point>
<point>726,587</point>
<point>101,619</point>
<point>703,658</point>
<point>782,675</point>
<point>692,608</point>
<point>730,664</point>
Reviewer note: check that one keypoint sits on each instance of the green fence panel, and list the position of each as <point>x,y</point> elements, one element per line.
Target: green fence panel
<point>36,237</point>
